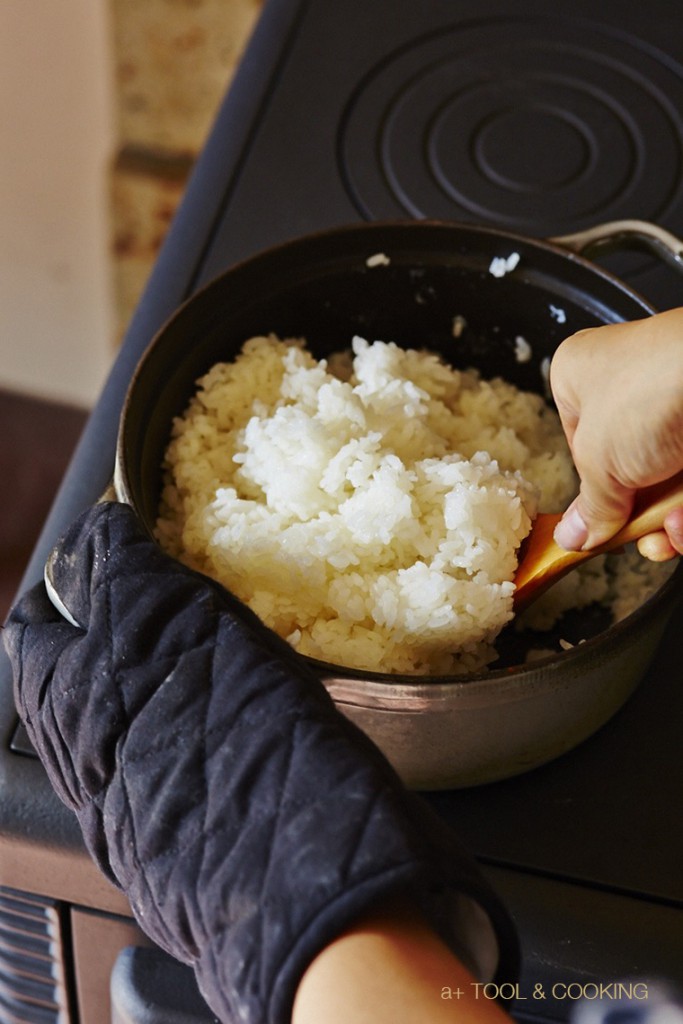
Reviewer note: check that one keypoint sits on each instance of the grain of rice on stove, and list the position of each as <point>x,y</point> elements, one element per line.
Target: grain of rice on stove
<point>368,508</point>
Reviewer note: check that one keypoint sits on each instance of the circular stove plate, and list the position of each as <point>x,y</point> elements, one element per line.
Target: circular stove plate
<point>536,124</point>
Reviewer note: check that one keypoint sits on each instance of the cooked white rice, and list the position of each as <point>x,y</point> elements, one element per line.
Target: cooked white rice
<point>369,511</point>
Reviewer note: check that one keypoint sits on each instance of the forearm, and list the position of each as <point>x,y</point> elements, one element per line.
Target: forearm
<point>391,968</point>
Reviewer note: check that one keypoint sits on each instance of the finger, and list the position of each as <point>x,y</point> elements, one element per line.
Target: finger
<point>656,547</point>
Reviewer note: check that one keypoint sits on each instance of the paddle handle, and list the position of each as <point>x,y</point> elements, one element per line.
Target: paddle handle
<point>650,509</point>
<point>544,562</point>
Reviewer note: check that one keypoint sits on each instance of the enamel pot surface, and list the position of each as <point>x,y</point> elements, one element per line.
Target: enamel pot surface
<point>468,293</point>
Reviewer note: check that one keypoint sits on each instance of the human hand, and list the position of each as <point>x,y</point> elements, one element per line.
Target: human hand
<point>246,820</point>
<point>619,393</point>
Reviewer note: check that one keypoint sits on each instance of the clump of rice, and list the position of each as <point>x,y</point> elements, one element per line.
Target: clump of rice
<point>368,509</point>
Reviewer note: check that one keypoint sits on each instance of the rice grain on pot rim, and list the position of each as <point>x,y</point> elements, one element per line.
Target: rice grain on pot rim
<point>369,508</point>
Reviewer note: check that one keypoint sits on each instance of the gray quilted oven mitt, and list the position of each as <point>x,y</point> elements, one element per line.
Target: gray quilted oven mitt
<point>246,820</point>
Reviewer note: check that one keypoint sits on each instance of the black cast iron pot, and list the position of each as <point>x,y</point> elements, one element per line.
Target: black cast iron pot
<point>407,282</point>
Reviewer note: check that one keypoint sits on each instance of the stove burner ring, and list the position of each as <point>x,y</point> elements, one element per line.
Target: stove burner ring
<point>538,125</point>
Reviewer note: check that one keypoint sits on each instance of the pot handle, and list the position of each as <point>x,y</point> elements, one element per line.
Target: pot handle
<point>626,234</point>
<point>110,493</point>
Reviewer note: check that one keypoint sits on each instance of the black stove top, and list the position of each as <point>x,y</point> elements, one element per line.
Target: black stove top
<point>541,123</point>
<point>538,118</point>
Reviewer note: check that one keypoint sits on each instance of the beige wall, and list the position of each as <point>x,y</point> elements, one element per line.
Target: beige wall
<point>104,105</point>
<point>57,135</point>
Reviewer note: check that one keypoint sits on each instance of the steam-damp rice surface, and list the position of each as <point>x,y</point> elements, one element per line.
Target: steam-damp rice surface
<point>368,508</point>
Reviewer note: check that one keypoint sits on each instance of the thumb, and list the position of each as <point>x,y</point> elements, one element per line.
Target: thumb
<point>102,538</point>
<point>595,515</point>
<point>71,562</point>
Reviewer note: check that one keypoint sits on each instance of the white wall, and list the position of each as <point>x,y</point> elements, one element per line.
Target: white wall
<point>56,138</point>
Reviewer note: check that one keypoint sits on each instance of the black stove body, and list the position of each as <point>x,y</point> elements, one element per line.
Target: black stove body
<point>537,118</point>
